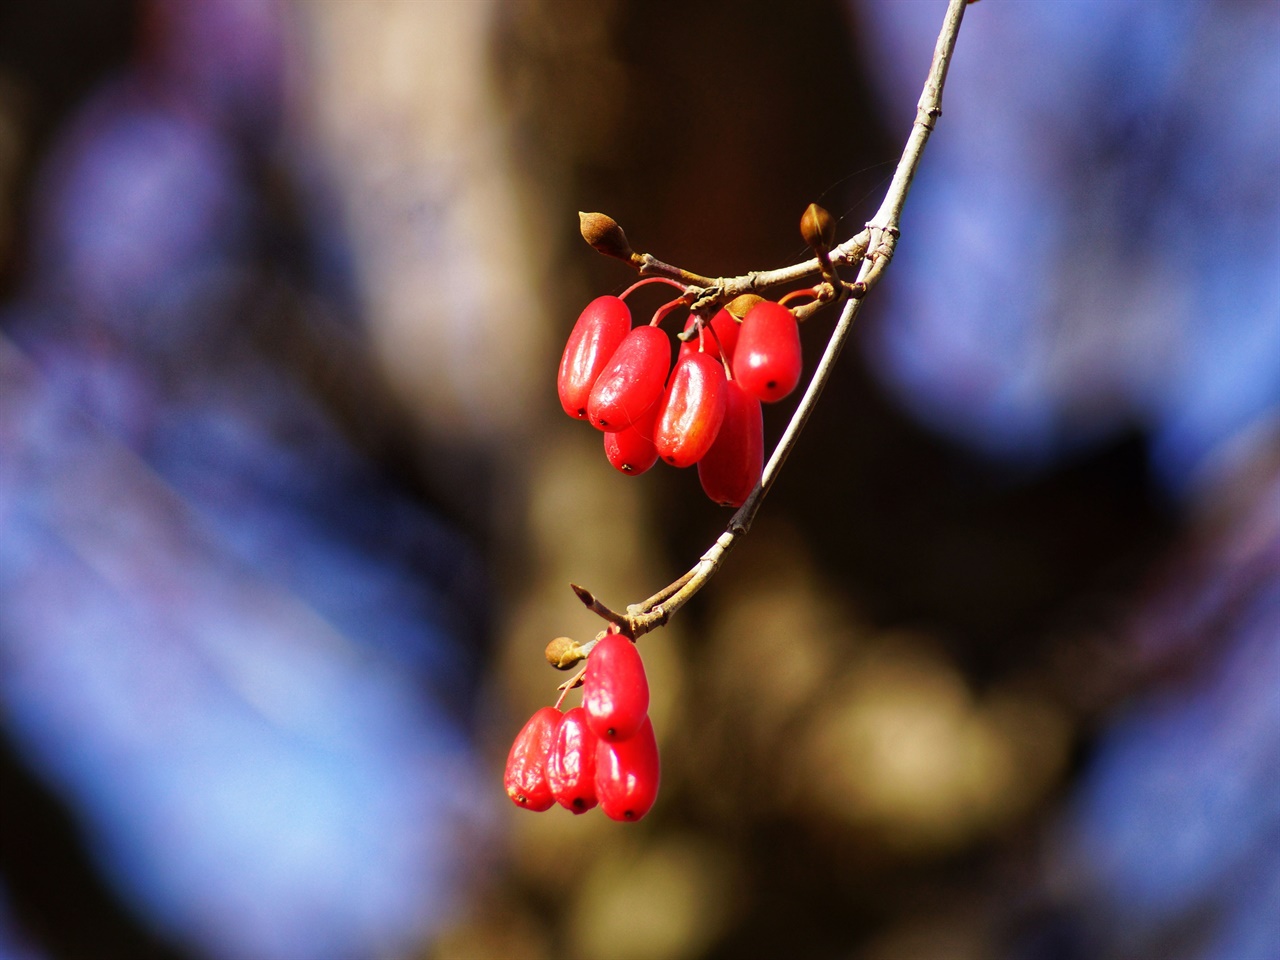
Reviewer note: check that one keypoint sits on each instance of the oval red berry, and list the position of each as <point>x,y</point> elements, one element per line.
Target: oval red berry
<point>615,691</point>
<point>632,381</point>
<point>628,775</point>
<point>730,470</point>
<point>526,774</point>
<point>601,327</point>
<point>571,767</point>
<point>632,450</point>
<point>767,360</point>
<point>691,411</point>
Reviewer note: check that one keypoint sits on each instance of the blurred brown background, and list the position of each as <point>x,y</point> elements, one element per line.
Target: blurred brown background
<point>884,725</point>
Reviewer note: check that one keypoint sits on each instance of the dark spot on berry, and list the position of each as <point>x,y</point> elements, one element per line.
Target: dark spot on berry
<point>629,814</point>
<point>611,733</point>
<point>582,413</point>
<point>627,468</point>
<point>772,384</point>
<point>579,803</point>
<point>521,799</point>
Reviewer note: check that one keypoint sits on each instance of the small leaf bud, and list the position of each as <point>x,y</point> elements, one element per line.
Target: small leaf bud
<point>563,652</point>
<point>818,227</point>
<point>741,306</point>
<point>603,233</point>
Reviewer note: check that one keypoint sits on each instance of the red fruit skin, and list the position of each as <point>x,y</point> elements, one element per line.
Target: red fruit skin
<point>691,411</point>
<point>571,767</point>
<point>767,360</point>
<point>526,775</point>
<point>615,691</point>
<point>632,381</point>
<point>722,343</point>
<point>628,774</point>
<point>730,470</point>
<point>631,450</point>
<point>592,342</point>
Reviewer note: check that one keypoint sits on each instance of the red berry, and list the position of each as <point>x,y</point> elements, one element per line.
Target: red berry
<point>731,468</point>
<point>615,691</point>
<point>627,775</point>
<point>719,344</point>
<point>632,381</point>
<point>526,776</point>
<point>571,767</point>
<point>766,361</point>
<point>632,450</point>
<point>692,410</point>
<point>595,337</point>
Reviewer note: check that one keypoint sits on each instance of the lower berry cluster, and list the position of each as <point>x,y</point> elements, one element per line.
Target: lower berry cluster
<point>704,410</point>
<point>601,753</point>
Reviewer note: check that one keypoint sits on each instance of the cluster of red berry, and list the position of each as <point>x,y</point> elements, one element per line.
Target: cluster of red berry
<point>704,410</point>
<point>603,752</point>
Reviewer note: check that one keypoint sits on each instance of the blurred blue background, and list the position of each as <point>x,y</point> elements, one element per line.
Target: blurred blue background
<point>284,491</point>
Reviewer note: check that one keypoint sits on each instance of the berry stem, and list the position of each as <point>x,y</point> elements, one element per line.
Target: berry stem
<point>647,280</point>
<point>661,313</point>
<point>811,292</point>
<point>576,679</point>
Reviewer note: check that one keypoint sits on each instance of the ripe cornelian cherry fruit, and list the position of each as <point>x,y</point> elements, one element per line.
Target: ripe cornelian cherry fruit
<point>526,775</point>
<point>593,340</point>
<point>766,361</point>
<point>692,409</point>
<point>730,470</point>
<point>615,691</point>
<point>571,766</point>
<point>720,343</point>
<point>632,450</point>
<point>632,380</point>
<point>627,774</point>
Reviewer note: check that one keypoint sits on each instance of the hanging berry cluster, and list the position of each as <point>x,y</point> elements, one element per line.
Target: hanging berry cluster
<point>738,350</point>
<point>603,752</point>
<point>705,409</point>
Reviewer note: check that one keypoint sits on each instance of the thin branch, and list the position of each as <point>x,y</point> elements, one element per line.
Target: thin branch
<point>595,606</point>
<point>714,292</point>
<point>873,248</point>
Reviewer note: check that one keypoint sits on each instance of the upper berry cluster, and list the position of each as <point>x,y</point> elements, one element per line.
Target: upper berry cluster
<point>705,409</point>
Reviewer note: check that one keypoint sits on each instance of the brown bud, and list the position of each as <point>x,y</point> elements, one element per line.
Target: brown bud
<point>818,227</point>
<point>741,306</point>
<point>603,233</point>
<point>563,652</point>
